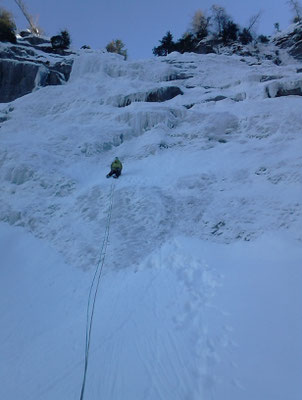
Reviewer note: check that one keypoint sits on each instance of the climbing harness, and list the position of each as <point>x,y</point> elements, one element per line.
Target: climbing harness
<point>94,289</point>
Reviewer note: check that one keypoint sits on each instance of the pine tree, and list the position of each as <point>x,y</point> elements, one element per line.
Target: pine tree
<point>166,47</point>
<point>66,39</point>
<point>61,41</point>
<point>187,43</point>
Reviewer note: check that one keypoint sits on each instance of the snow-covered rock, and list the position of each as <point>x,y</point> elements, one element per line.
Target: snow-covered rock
<point>285,87</point>
<point>291,40</point>
<point>26,66</point>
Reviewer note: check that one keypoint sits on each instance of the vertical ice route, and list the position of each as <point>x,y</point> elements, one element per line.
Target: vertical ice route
<point>94,290</point>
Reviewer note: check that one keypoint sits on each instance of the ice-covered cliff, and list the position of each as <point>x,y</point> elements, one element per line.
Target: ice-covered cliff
<point>201,287</point>
<point>31,63</point>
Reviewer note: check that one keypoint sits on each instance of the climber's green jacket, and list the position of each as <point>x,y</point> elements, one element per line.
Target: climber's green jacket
<point>116,165</point>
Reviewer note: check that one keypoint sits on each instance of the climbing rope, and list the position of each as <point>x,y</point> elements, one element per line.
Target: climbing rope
<point>94,290</point>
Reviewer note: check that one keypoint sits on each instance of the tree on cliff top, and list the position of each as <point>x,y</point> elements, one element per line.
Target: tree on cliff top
<point>296,9</point>
<point>62,41</point>
<point>7,27</point>
<point>166,46</point>
<point>117,46</point>
<point>219,19</point>
<point>200,25</point>
<point>33,26</point>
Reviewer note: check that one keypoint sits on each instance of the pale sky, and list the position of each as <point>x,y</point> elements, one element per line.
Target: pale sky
<point>139,24</point>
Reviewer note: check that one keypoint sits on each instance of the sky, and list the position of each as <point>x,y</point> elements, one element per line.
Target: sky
<point>139,24</point>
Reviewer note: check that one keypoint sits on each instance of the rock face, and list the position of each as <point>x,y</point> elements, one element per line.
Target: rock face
<point>163,94</point>
<point>206,47</point>
<point>26,66</point>
<point>154,96</point>
<point>291,40</point>
<point>17,79</point>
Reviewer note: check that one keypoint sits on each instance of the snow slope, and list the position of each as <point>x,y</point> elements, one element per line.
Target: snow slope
<point>200,291</point>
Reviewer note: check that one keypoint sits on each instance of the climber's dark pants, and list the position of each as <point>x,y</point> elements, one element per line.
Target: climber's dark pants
<point>116,171</point>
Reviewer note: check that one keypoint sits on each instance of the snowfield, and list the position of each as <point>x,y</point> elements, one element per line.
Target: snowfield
<point>200,294</point>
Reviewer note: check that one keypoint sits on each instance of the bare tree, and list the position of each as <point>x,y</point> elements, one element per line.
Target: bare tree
<point>34,28</point>
<point>254,20</point>
<point>220,18</point>
<point>200,24</point>
<point>297,9</point>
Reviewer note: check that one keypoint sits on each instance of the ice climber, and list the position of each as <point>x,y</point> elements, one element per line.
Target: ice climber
<point>116,168</point>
